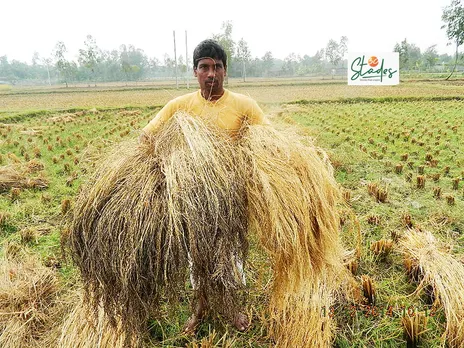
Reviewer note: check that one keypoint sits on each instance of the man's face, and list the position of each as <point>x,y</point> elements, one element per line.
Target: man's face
<point>210,74</point>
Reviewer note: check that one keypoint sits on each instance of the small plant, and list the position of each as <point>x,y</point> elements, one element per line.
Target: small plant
<point>373,219</point>
<point>3,218</point>
<point>412,270</point>
<point>406,220</point>
<point>420,181</point>
<point>395,235</point>
<point>346,195</point>
<point>368,289</point>
<point>381,195</point>
<point>28,235</point>
<point>435,177</point>
<point>450,199</point>
<point>65,206</point>
<point>372,188</point>
<point>353,267</point>
<point>398,168</point>
<point>382,247</point>
<point>15,193</point>
<point>456,183</point>
<point>36,152</point>
<point>437,192</point>
<point>414,326</point>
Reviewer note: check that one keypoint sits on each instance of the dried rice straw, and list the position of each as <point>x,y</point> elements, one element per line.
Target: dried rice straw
<point>445,274</point>
<point>189,192</point>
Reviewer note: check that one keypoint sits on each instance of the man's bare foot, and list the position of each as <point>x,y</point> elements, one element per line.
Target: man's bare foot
<point>191,324</point>
<point>196,318</point>
<point>241,322</point>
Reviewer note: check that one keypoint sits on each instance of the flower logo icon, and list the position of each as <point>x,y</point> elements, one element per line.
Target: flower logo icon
<point>373,61</point>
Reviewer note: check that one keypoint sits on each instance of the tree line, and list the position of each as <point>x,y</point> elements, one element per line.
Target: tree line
<point>130,64</point>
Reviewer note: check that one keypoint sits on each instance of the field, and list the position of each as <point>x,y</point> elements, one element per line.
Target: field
<point>398,156</point>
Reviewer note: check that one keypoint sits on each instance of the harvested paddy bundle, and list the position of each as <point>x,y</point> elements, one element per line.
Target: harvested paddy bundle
<point>80,330</point>
<point>292,197</point>
<point>183,199</point>
<point>28,296</point>
<point>152,208</point>
<point>10,177</point>
<point>444,274</point>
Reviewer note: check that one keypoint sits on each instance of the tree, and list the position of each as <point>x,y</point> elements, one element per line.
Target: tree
<point>47,62</point>
<point>335,51</point>
<point>244,55</point>
<point>90,56</point>
<point>169,64</point>
<point>409,54</point>
<point>430,56</point>
<point>268,62</point>
<point>225,40</point>
<point>453,16</point>
<point>318,60</point>
<point>61,64</point>
<point>125,65</point>
<point>290,63</point>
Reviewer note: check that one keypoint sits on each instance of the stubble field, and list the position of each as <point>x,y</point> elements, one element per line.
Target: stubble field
<point>398,157</point>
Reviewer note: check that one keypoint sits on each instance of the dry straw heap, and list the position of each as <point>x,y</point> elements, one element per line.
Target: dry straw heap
<point>29,307</point>
<point>438,269</point>
<point>191,193</point>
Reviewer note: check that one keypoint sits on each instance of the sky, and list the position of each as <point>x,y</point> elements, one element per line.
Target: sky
<point>282,27</point>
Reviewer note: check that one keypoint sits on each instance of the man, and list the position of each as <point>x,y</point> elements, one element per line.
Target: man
<point>213,103</point>
<point>219,107</point>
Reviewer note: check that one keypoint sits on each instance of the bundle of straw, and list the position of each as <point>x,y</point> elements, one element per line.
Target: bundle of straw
<point>10,177</point>
<point>445,274</point>
<point>187,194</point>
<point>292,197</point>
<point>152,208</point>
<point>28,295</point>
<point>79,330</point>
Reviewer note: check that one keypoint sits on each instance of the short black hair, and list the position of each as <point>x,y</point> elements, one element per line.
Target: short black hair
<point>211,49</point>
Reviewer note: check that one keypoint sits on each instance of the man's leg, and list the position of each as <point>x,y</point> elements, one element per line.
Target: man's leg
<point>197,315</point>
<point>240,320</point>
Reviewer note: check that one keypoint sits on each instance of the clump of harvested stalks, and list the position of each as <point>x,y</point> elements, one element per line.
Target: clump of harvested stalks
<point>187,193</point>
<point>444,274</point>
<point>10,177</point>
<point>151,208</point>
<point>28,292</point>
<point>382,247</point>
<point>292,197</point>
<point>79,330</point>
<point>414,327</point>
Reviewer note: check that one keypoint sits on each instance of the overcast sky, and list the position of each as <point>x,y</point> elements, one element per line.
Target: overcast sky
<point>281,27</point>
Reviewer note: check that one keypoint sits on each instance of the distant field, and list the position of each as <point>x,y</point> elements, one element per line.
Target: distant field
<point>381,136</point>
<point>267,92</point>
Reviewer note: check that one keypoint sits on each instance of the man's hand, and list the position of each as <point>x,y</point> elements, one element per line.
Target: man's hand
<point>143,137</point>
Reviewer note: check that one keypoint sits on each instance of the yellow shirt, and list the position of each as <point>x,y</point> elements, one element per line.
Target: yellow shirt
<point>228,112</point>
